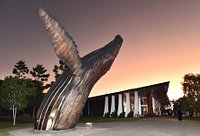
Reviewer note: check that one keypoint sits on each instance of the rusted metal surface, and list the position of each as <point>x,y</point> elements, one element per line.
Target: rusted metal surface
<point>63,104</point>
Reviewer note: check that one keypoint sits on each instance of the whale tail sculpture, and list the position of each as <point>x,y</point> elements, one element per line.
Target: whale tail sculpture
<point>65,100</point>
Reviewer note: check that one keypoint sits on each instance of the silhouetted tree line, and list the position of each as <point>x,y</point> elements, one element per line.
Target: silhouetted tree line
<point>23,91</point>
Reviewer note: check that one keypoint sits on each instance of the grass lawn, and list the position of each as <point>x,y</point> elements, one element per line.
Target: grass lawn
<point>6,124</point>
<point>5,127</point>
<point>107,119</point>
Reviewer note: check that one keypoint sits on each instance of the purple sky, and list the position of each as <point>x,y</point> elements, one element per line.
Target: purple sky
<point>161,38</point>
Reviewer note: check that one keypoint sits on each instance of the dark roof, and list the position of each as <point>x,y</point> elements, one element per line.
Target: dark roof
<point>159,90</point>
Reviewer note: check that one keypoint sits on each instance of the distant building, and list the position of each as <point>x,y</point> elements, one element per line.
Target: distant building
<point>148,100</point>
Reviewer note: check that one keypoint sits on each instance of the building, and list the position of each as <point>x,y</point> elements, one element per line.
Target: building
<point>148,100</point>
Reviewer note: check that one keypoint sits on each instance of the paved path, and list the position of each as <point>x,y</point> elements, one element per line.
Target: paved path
<point>144,127</point>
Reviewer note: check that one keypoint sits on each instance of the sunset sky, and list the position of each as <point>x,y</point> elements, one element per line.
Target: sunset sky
<point>161,38</point>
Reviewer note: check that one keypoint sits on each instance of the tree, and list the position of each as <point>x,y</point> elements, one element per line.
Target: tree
<point>14,94</point>
<point>185,105</point>
<point>20,69</point>
<point>59,69</point>
<point>36,98</point>
<point>191,90</point>
<point>1,81</point>
<point>39,74</point>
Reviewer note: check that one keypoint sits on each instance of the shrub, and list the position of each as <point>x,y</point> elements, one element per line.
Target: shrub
<point>130,114</point>
<point>113,114</point>
<point>107,114</point>
<point>121,115</point>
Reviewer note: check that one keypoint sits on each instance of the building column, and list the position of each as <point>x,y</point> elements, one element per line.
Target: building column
<point>136,104</point>
<point>153,105</point>
<point>139,106</point>
<point>112,105</point>
<point>159,108</point>
<point>150,107</point>
<point>105,106</point>
<point>120,107</point>
<point>128,104</point>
